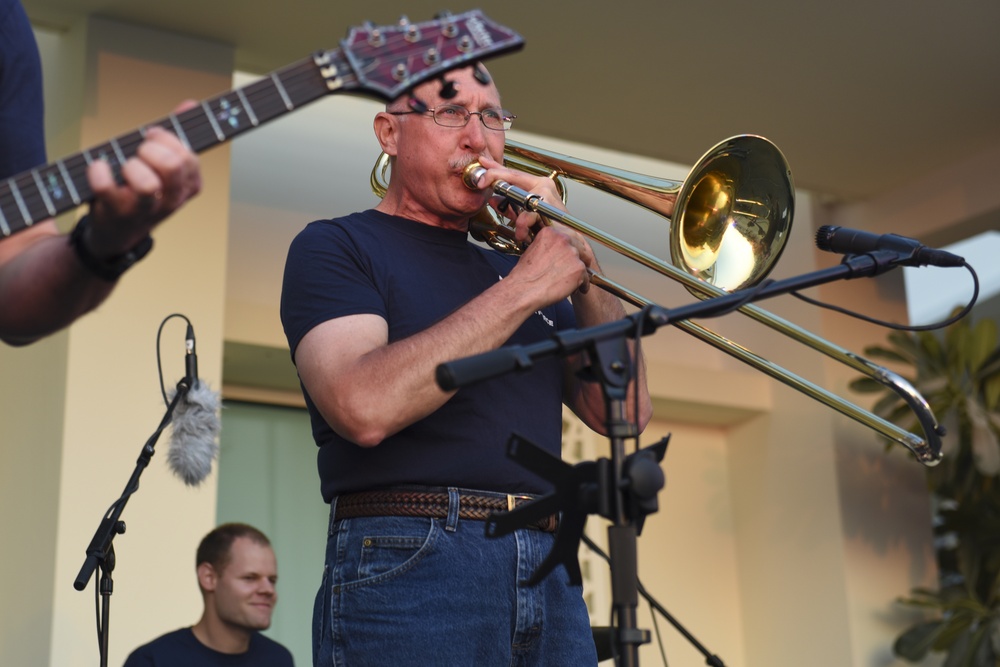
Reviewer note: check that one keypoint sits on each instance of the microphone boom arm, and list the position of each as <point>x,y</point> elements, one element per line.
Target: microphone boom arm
<point>100,551</point>
<point>457,373</point>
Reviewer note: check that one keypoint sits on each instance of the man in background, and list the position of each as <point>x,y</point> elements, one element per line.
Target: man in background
<point>237,574</point>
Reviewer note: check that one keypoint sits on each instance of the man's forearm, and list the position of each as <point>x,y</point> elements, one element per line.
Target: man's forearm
<point>43,285</point>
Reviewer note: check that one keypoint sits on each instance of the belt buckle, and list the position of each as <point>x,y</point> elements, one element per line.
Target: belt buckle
<point>512,499</point>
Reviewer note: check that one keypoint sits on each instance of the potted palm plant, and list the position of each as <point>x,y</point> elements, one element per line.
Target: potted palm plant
<point>959,375</point>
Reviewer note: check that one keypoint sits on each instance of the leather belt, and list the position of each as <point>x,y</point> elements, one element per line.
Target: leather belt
<point>432,505</point>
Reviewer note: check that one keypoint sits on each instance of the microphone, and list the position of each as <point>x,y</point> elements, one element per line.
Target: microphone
<point>190,356</point>
<point>195,432</point>
<point>856,242</point>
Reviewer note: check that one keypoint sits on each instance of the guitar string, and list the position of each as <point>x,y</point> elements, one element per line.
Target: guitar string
<point>75,166</point>
<point>302,82</point>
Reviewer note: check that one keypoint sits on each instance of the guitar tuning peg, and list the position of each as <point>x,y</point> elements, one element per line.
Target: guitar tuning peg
<point>480,74</point>
<point>432,56</point>
<point>404,21</point>
<point>448,27</point>
<point>400,72</point>
<point>417,105</point>
<point>375,36</point>
<point>447,89</point>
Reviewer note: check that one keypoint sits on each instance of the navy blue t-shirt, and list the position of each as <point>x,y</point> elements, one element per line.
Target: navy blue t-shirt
<point>22,116</point>
<point>181,647</point>
<point>414,275</point>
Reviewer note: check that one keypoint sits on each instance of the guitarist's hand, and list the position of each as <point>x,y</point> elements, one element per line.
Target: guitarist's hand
<point>157,181</point>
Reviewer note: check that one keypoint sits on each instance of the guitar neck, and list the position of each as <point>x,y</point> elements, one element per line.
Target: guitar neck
<point>382,61</point>
<point>47,191</point>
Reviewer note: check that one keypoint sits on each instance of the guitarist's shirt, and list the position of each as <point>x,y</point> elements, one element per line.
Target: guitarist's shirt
<point>22,116</point>
<point>413,275</point>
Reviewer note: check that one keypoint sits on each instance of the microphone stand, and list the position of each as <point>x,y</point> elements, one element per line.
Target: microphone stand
<point>625,488</point>
<point>101,551</point>
<point>612,362</point>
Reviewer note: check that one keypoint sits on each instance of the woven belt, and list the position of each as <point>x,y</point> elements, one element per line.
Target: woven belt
<point>432,505</point>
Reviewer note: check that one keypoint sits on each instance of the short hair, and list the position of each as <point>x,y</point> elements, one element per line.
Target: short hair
<point>215,547</point>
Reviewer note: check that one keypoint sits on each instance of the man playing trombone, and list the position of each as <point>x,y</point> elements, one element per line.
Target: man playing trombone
<point>371,304</point>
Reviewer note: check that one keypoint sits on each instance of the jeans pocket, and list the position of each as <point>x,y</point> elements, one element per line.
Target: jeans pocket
<point>385,548</point>
<point>381,554</point>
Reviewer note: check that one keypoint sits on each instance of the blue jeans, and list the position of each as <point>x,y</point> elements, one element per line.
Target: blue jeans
<point>415,591</point>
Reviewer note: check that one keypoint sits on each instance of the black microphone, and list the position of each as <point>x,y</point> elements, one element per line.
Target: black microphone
<point>195,431</point>
<point>856,242</point>
<point>190,357</point>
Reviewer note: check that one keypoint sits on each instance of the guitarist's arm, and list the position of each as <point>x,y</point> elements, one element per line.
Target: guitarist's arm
<point>44,285</point>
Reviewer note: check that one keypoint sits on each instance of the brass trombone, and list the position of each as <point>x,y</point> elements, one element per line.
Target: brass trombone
<point>730,221</point>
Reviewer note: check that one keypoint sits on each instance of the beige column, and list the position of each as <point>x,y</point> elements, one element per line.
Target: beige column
<point>78,407</point>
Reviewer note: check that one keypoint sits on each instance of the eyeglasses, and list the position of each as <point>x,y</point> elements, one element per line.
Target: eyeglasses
<point>452,115</point>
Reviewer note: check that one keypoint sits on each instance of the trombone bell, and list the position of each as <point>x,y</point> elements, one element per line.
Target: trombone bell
<point>730,218</point>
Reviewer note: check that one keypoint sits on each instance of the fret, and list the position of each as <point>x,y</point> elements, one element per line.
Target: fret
<point>8,206</point>
<point>281,91</point>
<point>49,181</point>
<point>74,195</point>
<point>246,105</point>
<point>105,153</point>
<point>16,191</point>
<point>164,124</point>
<point>76,167</point>
<point>45,195</point>
<point>227,112</point>
<point>33,197</point>
<point>129,144</point>
<point>211,119</point>
<point>118,152</point>
<point>4,227</point>
<point>52,189</point>
<point>199,133</point>
<point>261,95</point>
<point>179,131</point>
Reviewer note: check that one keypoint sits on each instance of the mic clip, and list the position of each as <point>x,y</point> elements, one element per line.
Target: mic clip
<point>874,263</point>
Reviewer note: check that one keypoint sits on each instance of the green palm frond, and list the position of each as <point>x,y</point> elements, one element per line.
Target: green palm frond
<point>958,373</point>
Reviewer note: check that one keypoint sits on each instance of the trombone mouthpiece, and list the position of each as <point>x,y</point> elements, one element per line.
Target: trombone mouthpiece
<point>472,174</point>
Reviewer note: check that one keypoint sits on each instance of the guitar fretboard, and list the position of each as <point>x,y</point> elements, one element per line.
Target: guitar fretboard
<point>47,191</point>
<point>382,61</point>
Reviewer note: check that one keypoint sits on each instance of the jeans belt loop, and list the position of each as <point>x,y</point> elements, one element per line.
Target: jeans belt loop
<point>333,517</point>
<point>454,505</point>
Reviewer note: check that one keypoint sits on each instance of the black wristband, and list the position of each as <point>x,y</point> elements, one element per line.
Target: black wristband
<point>106,269</point>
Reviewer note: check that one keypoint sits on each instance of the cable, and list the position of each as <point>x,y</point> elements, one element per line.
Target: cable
<point>159,363</point>
<point>710,659</point>
<point>636,358</point>
<point>903,327</point>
